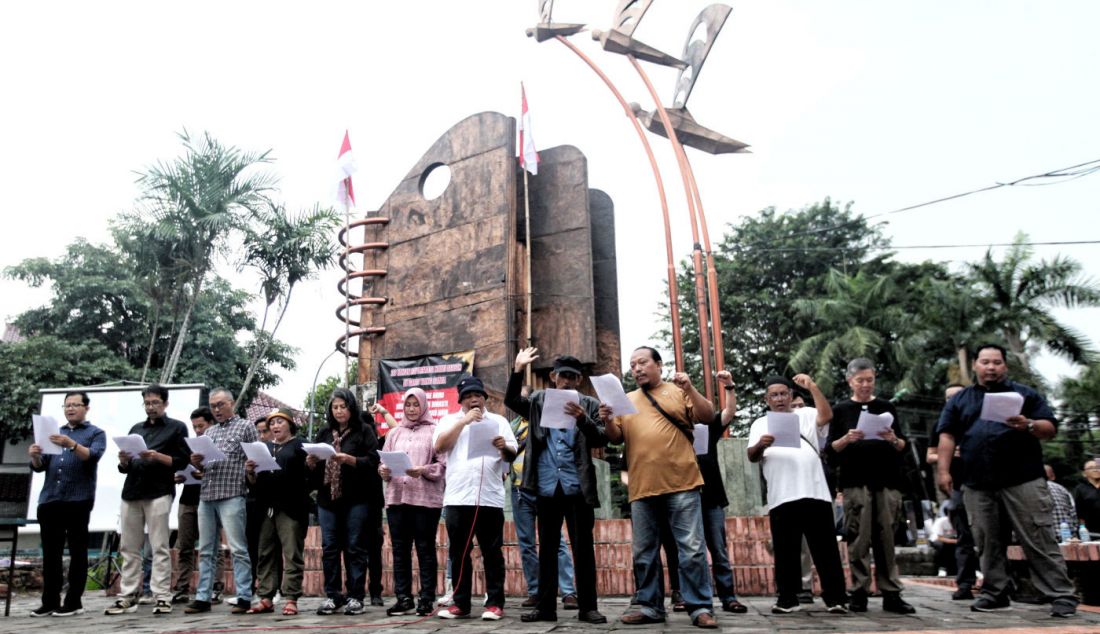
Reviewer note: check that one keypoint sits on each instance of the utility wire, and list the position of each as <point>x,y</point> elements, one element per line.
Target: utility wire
<point>1067,174</point>
<point>931,246</point>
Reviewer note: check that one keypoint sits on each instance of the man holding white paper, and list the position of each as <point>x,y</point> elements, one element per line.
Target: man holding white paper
<point>222,501</point>
<point>65,504</point>
<point>1004,483</point>
<point>559,472</point>
<point>664,486</point>
<point>473,501</point>
<point>147,497</point>
<point>865,445</point>
<point>799,502</point>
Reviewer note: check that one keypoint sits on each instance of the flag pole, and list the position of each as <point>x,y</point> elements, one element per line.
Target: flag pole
<point>527,267</point>
<point>347,292</point>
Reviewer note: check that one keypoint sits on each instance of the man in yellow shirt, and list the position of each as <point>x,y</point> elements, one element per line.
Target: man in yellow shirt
<point>664,486</point>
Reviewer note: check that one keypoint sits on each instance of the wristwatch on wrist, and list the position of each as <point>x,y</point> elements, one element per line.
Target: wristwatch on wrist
<point>1030,426</point>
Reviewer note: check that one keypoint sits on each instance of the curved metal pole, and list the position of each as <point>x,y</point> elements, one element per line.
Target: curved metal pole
<point>673,292</point>
<point>712,279</point>
<point>696,252</point>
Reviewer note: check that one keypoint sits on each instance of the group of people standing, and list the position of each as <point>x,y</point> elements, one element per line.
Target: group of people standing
<point>458,470</point>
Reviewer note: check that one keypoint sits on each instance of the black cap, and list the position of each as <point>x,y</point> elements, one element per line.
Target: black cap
<point>566,363</point>
<point>469,385</point>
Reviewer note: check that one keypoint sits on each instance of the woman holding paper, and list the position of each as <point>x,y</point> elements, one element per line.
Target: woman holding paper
<point>414,500</point>
<point>343,494</point>
<point>283,498</point>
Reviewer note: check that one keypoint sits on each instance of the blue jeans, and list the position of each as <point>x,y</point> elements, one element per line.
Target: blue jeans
<point>523,514</point>
<point>684,513</point>
<point>344,534</point>
<point>714,528</point>
<point>230,513</point>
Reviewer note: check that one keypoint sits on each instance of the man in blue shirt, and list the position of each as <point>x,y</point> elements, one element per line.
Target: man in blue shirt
<point>1004,484</point>
<point>65,505</point>
<point>559,471</point>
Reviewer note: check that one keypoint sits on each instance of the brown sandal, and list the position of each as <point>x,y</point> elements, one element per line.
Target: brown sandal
<point>290,608</point>
<point>265,606</point>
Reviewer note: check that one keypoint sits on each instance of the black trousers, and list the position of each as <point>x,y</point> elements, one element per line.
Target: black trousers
<point>61,522</point>
<point>253,521</point>
<point>486,523</point>
<point>408,525</point>
<point>375,537</point>
<point>813,519</point>
<point>580,521</point>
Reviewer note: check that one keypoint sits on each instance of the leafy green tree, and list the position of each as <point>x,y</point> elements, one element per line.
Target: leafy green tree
<point>284,250</point>
<point>1079,415</point>
<point>49,361</point>
<point>192,206</point>
<point>1020,293</point>
<point>764,264</point>
<point>317,400</point>
<point>861,315</point>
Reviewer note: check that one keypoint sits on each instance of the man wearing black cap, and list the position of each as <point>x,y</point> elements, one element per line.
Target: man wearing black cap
<point>473,501</point>
<point>559,471</point>
<point>799,503</point>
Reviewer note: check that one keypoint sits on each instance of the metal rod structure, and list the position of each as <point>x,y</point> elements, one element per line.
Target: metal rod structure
<point>696,253</point>
<point>527,264</point>
<point>673,292</point>
<point>712,282</point>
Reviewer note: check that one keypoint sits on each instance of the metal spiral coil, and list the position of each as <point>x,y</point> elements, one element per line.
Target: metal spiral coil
<point>354,328</point>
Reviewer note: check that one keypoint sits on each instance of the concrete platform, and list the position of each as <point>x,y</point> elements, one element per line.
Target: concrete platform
<point>935,612</point>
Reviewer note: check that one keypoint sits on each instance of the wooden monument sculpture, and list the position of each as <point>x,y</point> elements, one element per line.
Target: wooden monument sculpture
<point>449,274</point>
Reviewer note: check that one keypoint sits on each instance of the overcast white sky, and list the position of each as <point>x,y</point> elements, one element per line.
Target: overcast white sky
<point>883,104</point>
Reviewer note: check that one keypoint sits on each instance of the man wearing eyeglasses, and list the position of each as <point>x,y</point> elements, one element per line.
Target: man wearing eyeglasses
<point>147,500</point>
<point>1086,497</point>
<point>222,501</point>
<point>65,505</point>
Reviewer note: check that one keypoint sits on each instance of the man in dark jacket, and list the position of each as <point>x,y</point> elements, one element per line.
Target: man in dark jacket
<point>560,472</point>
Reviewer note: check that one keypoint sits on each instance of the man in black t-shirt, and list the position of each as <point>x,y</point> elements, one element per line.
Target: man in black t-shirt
<point>1086,497</point>
<point>869,474</point>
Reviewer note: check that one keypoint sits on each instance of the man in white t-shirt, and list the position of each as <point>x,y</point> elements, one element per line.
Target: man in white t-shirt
<point>799,504</point>
<point>473,501</point>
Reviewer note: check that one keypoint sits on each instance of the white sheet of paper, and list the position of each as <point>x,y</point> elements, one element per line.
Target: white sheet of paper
<point>205,446</point>
<point>553,409</point>
<point>189,475</point>
<point>1000,406</point>
<point>397,461</point>
<point>259,453</point>
<point>611,393</point>
<point>702,439</point>
<point>323,451</point>
<point>480,442</point>
<point>44,427</point>
<point>873,424</point>
<point>131,444</point>
<point>784,427</point>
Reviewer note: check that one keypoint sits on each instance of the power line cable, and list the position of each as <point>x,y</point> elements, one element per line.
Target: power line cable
<point>933,246</point>
<point>1067,174</point>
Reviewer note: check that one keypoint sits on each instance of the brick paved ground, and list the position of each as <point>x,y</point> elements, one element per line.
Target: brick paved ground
<point>936,612</point>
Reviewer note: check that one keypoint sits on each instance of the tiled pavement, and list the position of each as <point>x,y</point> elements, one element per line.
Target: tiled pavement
<point>935,612</point>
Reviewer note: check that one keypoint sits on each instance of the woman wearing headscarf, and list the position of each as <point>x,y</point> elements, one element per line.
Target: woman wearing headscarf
<point>414,501</point>
<point>343,495</point>
<point>283,499</point>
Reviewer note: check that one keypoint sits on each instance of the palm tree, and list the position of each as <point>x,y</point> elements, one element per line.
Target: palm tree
<point>862,315</point>
<point>285,250</point>
<point>194,204</point>
<point>1020,294</point>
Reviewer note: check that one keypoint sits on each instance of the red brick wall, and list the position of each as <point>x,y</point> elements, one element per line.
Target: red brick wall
<point>749,541</point>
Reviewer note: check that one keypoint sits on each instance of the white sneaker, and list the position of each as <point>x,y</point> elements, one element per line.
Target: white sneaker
<point>231,601</point>
<point>122,606</point>
<point>448,595</point>
<point>942,572</point>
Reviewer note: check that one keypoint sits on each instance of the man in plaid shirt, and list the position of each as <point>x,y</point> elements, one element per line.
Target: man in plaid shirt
<point>222,502</point>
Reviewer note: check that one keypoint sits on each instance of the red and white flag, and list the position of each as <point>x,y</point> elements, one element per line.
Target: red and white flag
<point>345,167</point>
<point>528,156</point>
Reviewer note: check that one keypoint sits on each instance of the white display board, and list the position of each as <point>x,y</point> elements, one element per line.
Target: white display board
<point>114,410</point>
